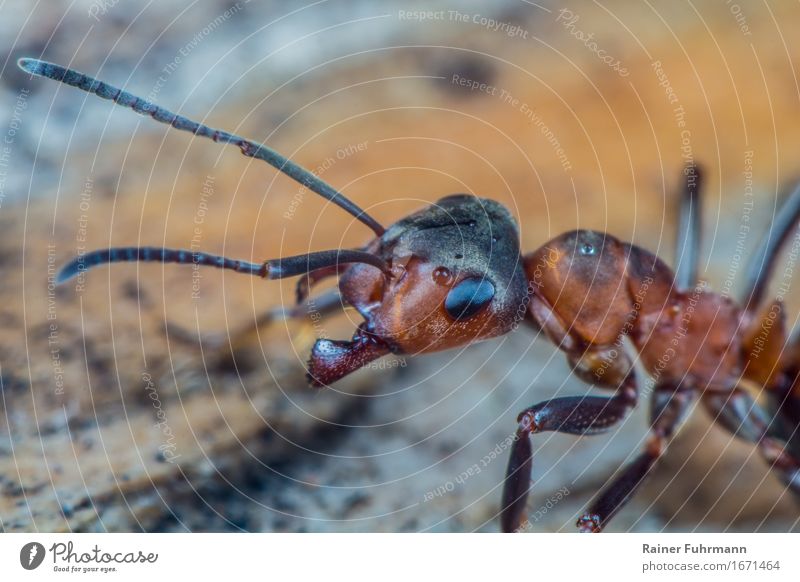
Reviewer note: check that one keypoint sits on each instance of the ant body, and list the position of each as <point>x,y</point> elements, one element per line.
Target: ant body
<point>453,273</point>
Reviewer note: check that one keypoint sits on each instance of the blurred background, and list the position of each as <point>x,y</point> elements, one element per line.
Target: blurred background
<point>574,115</point>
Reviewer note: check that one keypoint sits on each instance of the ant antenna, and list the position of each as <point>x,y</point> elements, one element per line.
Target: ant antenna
<point>249,148</point>
<point>272,269</point>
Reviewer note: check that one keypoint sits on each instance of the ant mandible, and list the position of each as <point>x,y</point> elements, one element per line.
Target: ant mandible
<point>452,274</point>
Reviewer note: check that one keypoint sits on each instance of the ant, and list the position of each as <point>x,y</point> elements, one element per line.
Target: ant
<point>453,273</point>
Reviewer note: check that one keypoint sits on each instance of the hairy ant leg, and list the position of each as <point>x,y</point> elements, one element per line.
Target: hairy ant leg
<point>743,417</point>
<point>668,408</point>
<point>578,415</point>
<point>566,272</point>
<point>601,366</point>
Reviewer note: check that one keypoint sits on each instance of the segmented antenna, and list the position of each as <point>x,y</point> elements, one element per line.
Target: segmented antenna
<point>273,269</point>
<point>249,148</point>
<point>155,255</point>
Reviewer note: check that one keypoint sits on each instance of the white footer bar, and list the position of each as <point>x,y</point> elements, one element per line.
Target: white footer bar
<point>388,557</point>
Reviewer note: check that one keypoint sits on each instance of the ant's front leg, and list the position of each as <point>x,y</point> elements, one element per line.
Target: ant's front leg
<point>669,407</point>
<point>306,282</point>
<point>605,366</point>
<point>224,344</point>
<point>314,266</point>
<point>579,415</point>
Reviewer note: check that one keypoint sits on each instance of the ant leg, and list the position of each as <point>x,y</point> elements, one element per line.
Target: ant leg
<point>326,304</point>
<point>772,362</point>
<point>579,415</point>
<point>690,223</point>
<point>785,396</point>
<point>741,415</point>
<point>271,269</point>
<point>309,280</point>
<point>314,308</point>
<point>330,360</point>
<point>542,317</point>
<point>669,407</point>
<point>787,401</point>
<point>764,345</point>
<point>762,264</point>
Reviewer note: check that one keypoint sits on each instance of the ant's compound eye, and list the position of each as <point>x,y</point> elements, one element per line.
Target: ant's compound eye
<point>588,249</point>
<point>469,297</point>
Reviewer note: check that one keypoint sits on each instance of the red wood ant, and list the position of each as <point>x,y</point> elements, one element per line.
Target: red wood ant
<point>453,273</point>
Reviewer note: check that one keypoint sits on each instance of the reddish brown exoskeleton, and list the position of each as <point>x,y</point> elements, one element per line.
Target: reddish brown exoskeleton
<point>453,273</point>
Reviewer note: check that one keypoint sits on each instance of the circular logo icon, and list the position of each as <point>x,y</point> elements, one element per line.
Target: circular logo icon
<point>31,555</point>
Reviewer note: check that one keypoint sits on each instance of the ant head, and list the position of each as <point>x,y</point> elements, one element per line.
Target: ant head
<point>456,277</point>
<point>446,276</point>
